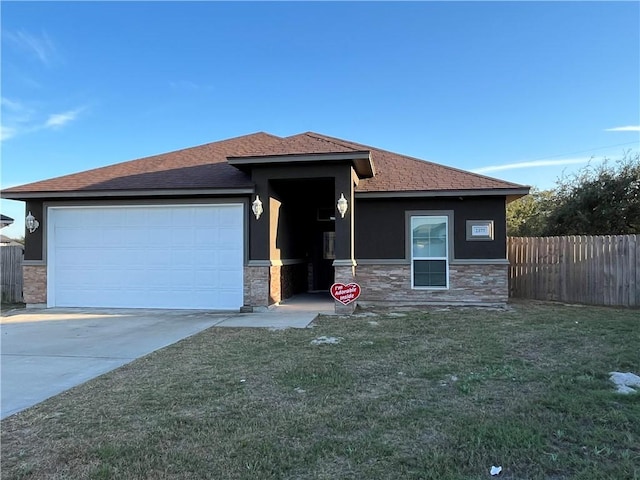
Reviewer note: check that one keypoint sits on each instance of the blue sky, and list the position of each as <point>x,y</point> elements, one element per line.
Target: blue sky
<point>522,91</point>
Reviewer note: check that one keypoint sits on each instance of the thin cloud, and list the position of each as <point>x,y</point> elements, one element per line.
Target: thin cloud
<point>16,117</point>
<point>11,104</point>
<point>628,128</point>
<point>39,45</point>
<point>15,112</point>
<point>19,119</point>
<point>58,120</point>
<point>532,164</point>
<point>7,132</point>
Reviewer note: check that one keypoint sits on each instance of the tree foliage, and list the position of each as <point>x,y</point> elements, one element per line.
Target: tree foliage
<point>600,200</point>
<point>528,216</point>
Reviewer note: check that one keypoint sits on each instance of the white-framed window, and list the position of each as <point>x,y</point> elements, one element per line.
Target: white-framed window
<point>430,251</point>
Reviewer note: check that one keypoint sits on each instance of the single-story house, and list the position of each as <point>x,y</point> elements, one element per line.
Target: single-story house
<point>250,221</point>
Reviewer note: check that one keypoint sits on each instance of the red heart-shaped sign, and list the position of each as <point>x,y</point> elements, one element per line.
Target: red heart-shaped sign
<point>345,294</point>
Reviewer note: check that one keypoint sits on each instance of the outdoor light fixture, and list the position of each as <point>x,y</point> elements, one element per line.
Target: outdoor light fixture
<point>31,223</point>
<point>256,206</point>
<point>342,205</point>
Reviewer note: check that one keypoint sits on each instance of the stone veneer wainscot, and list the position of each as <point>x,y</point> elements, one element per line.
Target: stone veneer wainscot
<point>469,284</point>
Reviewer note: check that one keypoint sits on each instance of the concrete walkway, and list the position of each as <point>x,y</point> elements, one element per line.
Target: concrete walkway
<point>295,312</point>
<point>47,351</point>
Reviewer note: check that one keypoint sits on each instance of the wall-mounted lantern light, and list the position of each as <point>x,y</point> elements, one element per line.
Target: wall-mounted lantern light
<point>31,223</point>
<point>256,206</point>
<point>342,205</point>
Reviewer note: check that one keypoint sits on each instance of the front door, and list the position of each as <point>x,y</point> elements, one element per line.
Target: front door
<point>322,259</point>
<point>325,273</point>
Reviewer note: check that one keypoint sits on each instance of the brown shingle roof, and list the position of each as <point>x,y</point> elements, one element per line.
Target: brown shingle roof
<point>206,167</point>
<point>303,143</point>
<point>397,173</point>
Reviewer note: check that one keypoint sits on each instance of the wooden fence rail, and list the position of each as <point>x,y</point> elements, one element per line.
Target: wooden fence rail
<point>11,273</point>
<point>595,270</point>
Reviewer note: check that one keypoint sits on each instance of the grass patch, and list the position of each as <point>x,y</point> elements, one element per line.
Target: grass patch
<point>7,306</point>
<point>432,394</point>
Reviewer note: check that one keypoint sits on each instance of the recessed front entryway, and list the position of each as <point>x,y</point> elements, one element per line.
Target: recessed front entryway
<point>146,256</point>
<point>303,230</point>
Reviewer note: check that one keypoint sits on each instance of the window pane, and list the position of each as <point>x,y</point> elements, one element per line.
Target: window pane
<point>429,236</point>
<point>438,247</point>
<point>430,273</point>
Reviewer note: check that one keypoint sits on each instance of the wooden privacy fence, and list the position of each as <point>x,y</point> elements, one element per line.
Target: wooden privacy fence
<point>596,270</point>
<point>11,273</point>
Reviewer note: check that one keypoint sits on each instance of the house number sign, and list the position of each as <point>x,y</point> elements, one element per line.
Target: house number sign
<point>345,294</point>
<point>480,230</point>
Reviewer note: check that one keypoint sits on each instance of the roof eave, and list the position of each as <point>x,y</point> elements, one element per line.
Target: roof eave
<point>362,161</point>
<point>511,193</point>
<point>24,196</point>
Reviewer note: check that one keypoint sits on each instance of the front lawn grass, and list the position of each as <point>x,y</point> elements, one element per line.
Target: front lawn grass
<point>431,394</point>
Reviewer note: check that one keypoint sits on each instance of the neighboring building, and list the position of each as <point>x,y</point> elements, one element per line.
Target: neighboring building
<point>6,241</point>
<point>177,230</point>
<point>5,221</point>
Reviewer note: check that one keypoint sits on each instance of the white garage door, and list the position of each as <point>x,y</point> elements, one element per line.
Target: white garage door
<point>146,256</point>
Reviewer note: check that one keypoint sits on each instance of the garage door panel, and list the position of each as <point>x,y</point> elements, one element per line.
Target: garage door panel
<point>112,236</point>
<point>69,278</point>
<point>208,276</point>
<point>111,218</point>
<point>131,256</point>
<point>110,257</point>
<point>228,257</point>
<point>148,257</point>
<point>227,218</point>
<point>181,235</point>
<point>71,237</point>
<point>156,217</point>
<point>210,219</point>
<point>112,282</point>
<point>206,237</point>
<point>158,238</point>
<point>155,257</point>
<point>182,256</point>
<point>226,237</point>
<point>137,237</point>
<point>137,277</point>
<point>74,257</point>
<point>184,279</point>
<point>160,281</point>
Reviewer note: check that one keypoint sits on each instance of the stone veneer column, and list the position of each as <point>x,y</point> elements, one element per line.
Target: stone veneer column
<point>34,290</point>
<point>256,287</point>
<point>275,283</point>
<point>345,274</point>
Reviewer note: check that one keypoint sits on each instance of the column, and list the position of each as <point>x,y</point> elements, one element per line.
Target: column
<point>345,264</point>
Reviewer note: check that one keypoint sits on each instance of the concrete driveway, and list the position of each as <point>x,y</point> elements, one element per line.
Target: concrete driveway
<point>45,352</point>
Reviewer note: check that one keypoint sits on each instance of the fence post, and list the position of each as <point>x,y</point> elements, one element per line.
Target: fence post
<point>634,272</point>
